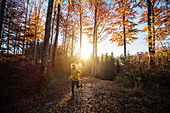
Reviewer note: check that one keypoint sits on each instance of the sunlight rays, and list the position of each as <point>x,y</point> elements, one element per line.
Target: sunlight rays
<point>87,48</point>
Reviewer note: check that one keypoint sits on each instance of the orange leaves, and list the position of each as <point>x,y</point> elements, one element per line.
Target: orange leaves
<point>123,16</point>
<point>59,1</point>
<point>89,35</point>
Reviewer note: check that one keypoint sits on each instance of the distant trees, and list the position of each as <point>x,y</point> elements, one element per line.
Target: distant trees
<point>44,60</point>
<point>56,37</point>
<point>23,32</point>
<point>13,30</point>
<point>22,27</point>
<point>123,23</point>
<point>156,16</point>
<point>2,16</point>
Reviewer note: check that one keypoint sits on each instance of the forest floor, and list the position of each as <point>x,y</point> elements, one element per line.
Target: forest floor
<point>96,96</point>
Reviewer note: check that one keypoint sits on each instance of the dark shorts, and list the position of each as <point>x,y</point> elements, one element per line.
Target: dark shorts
<point>75,82</point>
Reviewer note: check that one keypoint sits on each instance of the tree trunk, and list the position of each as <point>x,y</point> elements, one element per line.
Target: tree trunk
<point>80,29</point>
<point>23,50</point>
<point>1,40</point>
<point>124,34</point>
<point>35,46</point>
<point>8,41</point>
<point>56,37</point>
<point>65,37</point>
<point>2,15</point>
<point>94,45</point>
<point>52,32</point>
<point>96,67</point>
<point>149,32</point>
<point>72,44</point>
<point>44,60</point>
<point>35,37</point>
<point>153,35</point>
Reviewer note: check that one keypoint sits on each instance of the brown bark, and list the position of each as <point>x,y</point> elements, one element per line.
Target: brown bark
<point>44,60</point>
<point>94,44</point>
<point>124,34</point>
<point>153,29</point>
<point>2,15</point>
<point>56,37</point>
<point>26,15</point>
<point>72,44</point>
<point>80,29</point>
<point>52,33</point>
<point>2,18</point>
<point>149,32</point>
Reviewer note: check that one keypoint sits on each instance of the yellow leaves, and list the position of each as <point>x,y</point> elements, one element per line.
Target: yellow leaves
<point>89,35</point>
<point>90,3</point>
<point>85,3</point>
<point>107,29</point>
<point>59,1</point>
<point>112,39</point>
<point>54,2</point>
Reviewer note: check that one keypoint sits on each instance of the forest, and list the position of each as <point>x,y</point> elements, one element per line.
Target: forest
<point>41,40</point>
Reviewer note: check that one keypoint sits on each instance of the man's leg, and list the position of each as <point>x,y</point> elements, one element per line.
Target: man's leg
<point>77,83</point>
<point>73,83</point>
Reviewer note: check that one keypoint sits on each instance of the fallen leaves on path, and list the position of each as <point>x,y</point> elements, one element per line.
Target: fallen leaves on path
<point>96,96</point>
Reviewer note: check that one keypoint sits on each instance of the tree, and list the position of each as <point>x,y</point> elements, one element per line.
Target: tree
<point>156,16</point>
<point>96,26</point>
<point>46,38</point>
<point>13,30</point>
<point>56,37</point>
<point>2,16</point>
<point>80,2</point>
<point>123,31</point>
<point>37,26</point>
<point>149,5</point>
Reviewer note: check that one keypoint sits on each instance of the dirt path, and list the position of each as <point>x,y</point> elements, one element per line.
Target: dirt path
<point>96,96</point>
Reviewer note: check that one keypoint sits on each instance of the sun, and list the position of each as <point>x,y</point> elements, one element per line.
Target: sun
<point>87,48</point>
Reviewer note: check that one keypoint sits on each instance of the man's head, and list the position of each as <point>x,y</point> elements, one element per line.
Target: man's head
<point>73,66</point>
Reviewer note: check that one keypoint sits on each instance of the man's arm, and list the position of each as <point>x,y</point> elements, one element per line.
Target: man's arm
<point>71,76</point>
<point>78,71</point>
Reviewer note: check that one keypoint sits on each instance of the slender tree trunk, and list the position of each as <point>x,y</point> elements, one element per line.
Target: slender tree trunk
<point>26,14</point>
<point>1,40</point>
<point>96,59</point>
<point>35,37</point>
<point>94,44</point>
<point>153,35</point>
<point>14,46</point>
<point>44,61</point>
<point>52,32</point>
<point>149,32</point>
<point>2,15</point>
<point>65,38</point>
<point>35,46</point>
<point>124,34</point>
<point>72,44</point>
<point>96,67</point>
<point>8,41</point>
<point>80,28</point>
<point>56,37</point>
<point>29,22</point>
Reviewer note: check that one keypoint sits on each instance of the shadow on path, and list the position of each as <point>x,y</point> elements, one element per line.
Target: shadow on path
<point>96,96</point>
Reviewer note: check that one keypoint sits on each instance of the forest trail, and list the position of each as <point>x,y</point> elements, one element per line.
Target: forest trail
<point>96,96</point>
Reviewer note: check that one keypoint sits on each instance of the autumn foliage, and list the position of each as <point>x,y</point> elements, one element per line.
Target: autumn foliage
<point>38,37</point>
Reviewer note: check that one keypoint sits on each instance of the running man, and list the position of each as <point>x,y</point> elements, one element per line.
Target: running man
<point>75,76</point>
